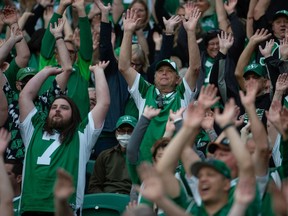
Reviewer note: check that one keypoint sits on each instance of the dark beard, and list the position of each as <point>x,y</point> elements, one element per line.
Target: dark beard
<point>57,125</point>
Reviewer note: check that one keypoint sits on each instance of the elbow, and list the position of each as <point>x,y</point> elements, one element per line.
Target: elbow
<point>122,67</point>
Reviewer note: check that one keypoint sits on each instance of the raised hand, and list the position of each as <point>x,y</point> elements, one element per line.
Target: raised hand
<point>16,34</point>
<point>101,65</point>
<point>251,92</point>
<point>229,6</point>
<point>259,36</point>
<point>283,47</point>
<point>207,96</point>
<point>191,23</point>
<point>227,115</point>
<point>274,115</point>
<point>208,120</point>
<point>194,115</point>
<point>57,30</point>
<point>157,38</point>
<point>95,38</point>
<point>282,82</point>
<point>5,137</point>
<point>152,187</point>
<point>188,7</point>
<point>245,192</point>
<point>225,41</point>
<point>171,23</point>
<point>63,187</point>
<point>130,20</point>
<point>51,70</point>
<point>9,15</point>
<point>150,112</point>
<point>104,9</point>
<point>266,51</point>
<point>177,115</point>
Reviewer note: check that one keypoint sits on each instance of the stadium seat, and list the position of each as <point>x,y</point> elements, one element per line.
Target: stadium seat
<point>104,204</point>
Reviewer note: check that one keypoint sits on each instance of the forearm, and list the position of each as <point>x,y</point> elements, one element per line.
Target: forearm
<point>136,139</point>
<point>6,192</point>
<point>86,44</point>
<point>125,51</point>
<point>240,152</point>
<point>260,8</point>
<point>32,20</point>
<point>5,49</point>
<point>243,62</point>
<point>238,209</point>
<point>3,108</point>
<point>221,15</point>
<point>48,41</point>
<point>175,148</point>
<point>194,60</point>
<point>23,53</point>
<point>62,207</point>
<point>142,41</point>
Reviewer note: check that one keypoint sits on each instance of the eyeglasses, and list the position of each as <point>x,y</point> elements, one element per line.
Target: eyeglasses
<point>160,101</point>
<point>124,131</point>
<point>135,65</point>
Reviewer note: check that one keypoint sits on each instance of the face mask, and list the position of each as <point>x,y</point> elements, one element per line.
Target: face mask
<point>123,139</point>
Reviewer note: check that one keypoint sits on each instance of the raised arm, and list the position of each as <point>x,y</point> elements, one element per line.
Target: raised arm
<point>102,94</point>
<point>238,148</point>
<point>186,135</point>
<point>260,8</point>
<point>66,63</point>
<point>30,91</point>
<point>259,36</point>
<point>117,10</point>
<point>194,53</point>
<point>3,102</point>
<point>129,22</point>
<point>23,54</point>
<point>221,15</point>
<point>6,191</point>
<point>261,155</point>
<point>63,189</point>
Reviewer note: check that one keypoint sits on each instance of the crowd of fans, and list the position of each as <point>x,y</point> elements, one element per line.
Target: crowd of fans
<point>182,105</point>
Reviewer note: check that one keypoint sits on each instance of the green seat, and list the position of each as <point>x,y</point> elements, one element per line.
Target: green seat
<point>104,204</point>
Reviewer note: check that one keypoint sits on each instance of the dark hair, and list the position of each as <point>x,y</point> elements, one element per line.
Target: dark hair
<point>17,166</point>
<point>67,134</point>
<point>210,35</point>
<point>161,143</point>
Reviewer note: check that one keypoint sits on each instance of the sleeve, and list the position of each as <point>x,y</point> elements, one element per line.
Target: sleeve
<point>48,41</point>
<point>106,49</point>
<point>161,12</point>
<point>187,94</point>
<point>138,91</point>
<point>32,20</point>
<point>88,134</point>
<point>276,154</point>
<point>262,182</point>
<point>136,139</point>
<point>283,170</point>
<point>27,128</point>
<point>11,74</point>
<point>97,178</point>
<point>239,36</point>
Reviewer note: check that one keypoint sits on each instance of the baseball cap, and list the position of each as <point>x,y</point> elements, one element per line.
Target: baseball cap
<point>224,144</point>
<point>217,165</point>
<point>126,119</point>
<point>24,72</point>
<point>167,62</point>
<point>280,13</point>
<point>255,68</point>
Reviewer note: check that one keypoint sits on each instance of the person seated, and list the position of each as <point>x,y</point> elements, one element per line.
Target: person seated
<point>110,173</point>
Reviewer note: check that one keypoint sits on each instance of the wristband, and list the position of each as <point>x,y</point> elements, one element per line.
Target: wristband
<point>59,37</point>
<point>227,126</point>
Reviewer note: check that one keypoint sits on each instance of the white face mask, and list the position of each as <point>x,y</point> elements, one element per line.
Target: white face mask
<point>123,139</point>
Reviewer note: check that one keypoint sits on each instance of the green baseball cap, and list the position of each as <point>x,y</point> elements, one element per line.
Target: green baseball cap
<point>217,165</point>
<point>24,72</point>
<point>280,13</point>
<point>126,119</point>
<point>255,68</point>
<point>167,62</point>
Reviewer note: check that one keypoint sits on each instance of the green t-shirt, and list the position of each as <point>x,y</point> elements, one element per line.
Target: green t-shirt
<point>144,94</point>
<point>209,22</point>
<point>45,154</point>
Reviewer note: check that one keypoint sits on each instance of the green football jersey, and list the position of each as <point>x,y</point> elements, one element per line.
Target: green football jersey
<point>144,94</point>
<point>45,154</point>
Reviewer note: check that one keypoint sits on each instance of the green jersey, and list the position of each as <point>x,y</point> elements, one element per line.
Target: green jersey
<point>45,154</point>
<point>144,94</point>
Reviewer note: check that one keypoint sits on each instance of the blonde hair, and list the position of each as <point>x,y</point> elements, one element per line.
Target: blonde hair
<point>139,53</point>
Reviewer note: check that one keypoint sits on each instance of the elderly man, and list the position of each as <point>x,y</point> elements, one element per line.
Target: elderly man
<point>168,93</point>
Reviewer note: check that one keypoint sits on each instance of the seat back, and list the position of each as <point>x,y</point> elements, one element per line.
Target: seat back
<point>104,204</point>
